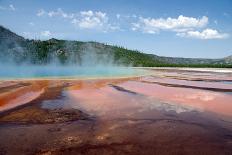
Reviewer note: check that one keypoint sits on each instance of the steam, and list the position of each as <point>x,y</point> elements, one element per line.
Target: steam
<point>91,60</point>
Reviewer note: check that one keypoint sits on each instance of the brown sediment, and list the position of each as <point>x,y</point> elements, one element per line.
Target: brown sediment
<point>33,113</point>
<point>139,137</point>
<point>21,95</point>
<point>42,90</point>
<point>12,86</point>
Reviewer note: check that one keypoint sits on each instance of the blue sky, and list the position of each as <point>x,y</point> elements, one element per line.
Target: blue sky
<point>199,28</point>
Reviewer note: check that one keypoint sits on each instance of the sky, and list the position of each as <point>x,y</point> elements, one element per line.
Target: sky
<point>176,28</point>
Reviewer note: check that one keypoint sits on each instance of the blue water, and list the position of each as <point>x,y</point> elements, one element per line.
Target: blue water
<point>17,72</point>
<point>227,82</point>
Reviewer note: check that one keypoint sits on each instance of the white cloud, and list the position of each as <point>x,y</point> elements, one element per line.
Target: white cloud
<point>61,13</point>
<point>135,26</point>
<point>45,33</point>
<point>94,20</point>
<point>187,27</point>
<point>90,19</point>
<point>87,13</point>
<point>84,20</point>
<point>205,34</point>
<point>41,12</point>
<point>182,23</point>
<point>9,8</point>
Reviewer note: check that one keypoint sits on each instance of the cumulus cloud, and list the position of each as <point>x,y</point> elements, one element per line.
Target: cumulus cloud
<point>94,20</point>
<point>87,13</point>
<point>183,26</point>
<point>187,27</point>
<point>182,23</point>
<point>9,8</point>
<point>84,19</point>
<point>46,33</point>
<point>91,20</point>
<point>205,34</point>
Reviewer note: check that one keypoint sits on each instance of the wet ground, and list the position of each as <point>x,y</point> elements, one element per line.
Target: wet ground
<point>165,112</point>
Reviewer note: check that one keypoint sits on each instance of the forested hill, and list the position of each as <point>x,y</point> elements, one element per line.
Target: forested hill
<point>14,48</point>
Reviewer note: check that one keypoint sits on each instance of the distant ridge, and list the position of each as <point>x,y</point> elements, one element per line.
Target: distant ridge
<point>15,48</point>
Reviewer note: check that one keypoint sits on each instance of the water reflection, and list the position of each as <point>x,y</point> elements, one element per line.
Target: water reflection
<point>101,99</point>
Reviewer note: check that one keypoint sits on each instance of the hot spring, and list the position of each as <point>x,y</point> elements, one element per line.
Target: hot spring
<point>59,71</point>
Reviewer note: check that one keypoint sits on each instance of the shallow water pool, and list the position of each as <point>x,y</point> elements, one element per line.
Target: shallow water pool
<point>21,72</point>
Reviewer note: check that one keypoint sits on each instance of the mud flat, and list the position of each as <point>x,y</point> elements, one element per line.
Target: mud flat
<point>165,112</point>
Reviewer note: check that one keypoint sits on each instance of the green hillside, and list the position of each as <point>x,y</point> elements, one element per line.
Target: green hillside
<point>14,48</point>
